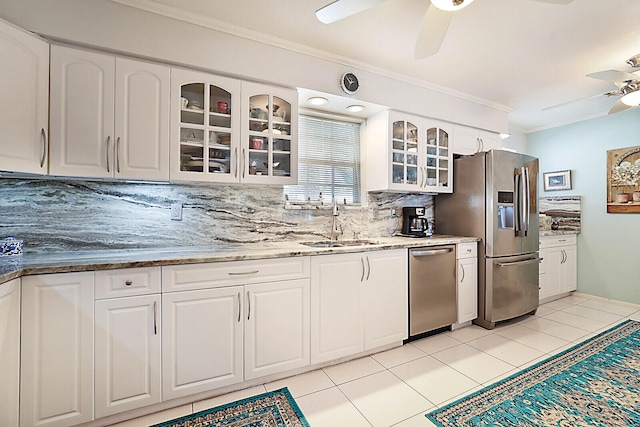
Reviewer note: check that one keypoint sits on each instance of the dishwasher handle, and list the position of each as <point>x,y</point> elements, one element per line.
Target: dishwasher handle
<point>524,261</point>
<point>430,252</point>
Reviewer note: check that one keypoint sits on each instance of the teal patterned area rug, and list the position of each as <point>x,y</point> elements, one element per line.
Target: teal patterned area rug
<point>595,383</point>
<point>273,409</point>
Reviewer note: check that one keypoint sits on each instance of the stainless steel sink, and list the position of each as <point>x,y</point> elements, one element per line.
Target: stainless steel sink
<point>340,243</point>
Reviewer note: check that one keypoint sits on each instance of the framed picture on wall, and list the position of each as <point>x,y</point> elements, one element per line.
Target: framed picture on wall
<point>559,180</point>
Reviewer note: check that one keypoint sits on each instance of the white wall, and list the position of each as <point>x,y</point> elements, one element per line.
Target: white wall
<point>609,245</point>
<point>113,26</point>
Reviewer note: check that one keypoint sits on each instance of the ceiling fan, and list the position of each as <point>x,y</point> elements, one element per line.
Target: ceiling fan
<point>628,85</point>
<point>434,25</point>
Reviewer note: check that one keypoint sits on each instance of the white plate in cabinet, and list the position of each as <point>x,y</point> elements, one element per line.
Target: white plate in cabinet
<point>228,273</point>
<point>127,282</point>
<point>24,89</point>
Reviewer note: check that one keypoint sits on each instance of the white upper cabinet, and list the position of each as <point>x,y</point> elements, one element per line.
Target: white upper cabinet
<point>205,119</point>
<point>468,140</point>
<point>24,90</point>
<point>409,154</point>
<point>269,134</point>
<point>109,116</point>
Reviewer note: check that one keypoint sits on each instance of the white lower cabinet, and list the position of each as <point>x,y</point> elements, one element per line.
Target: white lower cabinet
<point>359,302</point>
<point>127,354</point>
<point>559,266</point>
<point>57,349</point>
<point>467,277</point>
<point>202,340</point>
<point>9,352</point>
<point>226,326</point>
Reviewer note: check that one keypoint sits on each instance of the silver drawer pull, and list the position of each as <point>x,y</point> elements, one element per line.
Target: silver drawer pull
<point>128,283</point>
<point>243,273</point>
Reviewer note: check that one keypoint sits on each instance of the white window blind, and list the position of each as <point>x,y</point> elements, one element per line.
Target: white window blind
<point>328,161</point>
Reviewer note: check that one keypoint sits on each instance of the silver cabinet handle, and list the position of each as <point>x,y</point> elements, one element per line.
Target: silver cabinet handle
<point>481,144</point>
<point>117,159</point>
<point>524,261</point>
<point>362,277</point>
<point>562,240</point>
<point>235,156</point>
<point>462,268</point>
<point>128,283</point>
<point>107,152</point>
<point>44,147</point>
<point>430,252</point>
<point>248,305</point>
<point>243,168</point>
<point>564,256</point>
<point>478,145</point>
<point>239,308</point>
<point>155,317</point>
<point>368,268</point>
<point>242,273</point>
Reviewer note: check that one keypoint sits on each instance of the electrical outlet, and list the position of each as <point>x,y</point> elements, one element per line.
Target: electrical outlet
<point>176,211</point>
<point>393,211</point>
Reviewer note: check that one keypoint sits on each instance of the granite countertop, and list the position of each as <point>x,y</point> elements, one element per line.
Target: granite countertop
<point>546,233</point>
<point>62,262</point>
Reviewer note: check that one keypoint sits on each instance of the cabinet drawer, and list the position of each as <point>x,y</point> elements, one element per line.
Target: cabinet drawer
<point>553,241</point>
<point>467,250</point>
<point>127,282</point>
<point>228,273</point>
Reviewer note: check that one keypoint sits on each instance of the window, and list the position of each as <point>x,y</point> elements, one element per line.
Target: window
<point>328,161</point>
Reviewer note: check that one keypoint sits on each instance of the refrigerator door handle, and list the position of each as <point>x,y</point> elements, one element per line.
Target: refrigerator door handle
<point>518,221</point>
<point>526,189</point>
<point>524,261</point>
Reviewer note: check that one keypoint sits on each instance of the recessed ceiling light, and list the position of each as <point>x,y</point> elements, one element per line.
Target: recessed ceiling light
<point>317,100</point>
<point>355,108</point>
<point>451,5</point>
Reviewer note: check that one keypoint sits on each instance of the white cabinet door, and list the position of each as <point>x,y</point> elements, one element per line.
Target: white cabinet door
<point>466,140</point>
<point>569,269</point>
<point>57,350</point>
<point>550,271</point>
<point>141,120</point>
<point>24,90</point>
<point>277,327</point>
<point>82,102</point>
<point>337,325</point>
<point>201,340</point>
<point>127,354</point>
<point>489,141</point>
<point>269,135</point>
<point>9,352</point>
<point>467,289</point>
<point>385,298</point>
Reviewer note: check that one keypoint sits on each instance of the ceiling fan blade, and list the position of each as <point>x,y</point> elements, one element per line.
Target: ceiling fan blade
<point>555,1</point>
<point>613,76</point>
<point>432,33</point>
<point>341,9</point>
<point>618,106</point>
<point>578,100</point>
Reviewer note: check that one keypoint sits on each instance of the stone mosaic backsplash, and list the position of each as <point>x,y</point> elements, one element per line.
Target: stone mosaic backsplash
<point>560,213</point>
<point>64,215</point>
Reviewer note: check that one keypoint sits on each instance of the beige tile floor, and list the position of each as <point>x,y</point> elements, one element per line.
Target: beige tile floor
<point>397,387</point>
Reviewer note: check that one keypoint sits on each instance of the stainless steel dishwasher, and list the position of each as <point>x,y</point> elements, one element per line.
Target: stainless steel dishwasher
<point>432,288</point>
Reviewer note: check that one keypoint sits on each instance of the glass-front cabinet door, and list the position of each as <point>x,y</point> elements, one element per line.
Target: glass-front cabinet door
<point>205,119</point>
<point>438,158</point>
<point>405,153</point>
<point>269,135</point>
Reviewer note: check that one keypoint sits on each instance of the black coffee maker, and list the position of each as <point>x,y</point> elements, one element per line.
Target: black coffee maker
<point>415,222</point>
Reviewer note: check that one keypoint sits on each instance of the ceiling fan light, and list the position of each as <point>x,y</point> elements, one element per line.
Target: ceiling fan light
<point>634,61</point>
<point>632,99</point>
<point>451,5</point>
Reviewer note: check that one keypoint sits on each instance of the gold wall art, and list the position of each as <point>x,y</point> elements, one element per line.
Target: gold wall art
<point>623,180</point>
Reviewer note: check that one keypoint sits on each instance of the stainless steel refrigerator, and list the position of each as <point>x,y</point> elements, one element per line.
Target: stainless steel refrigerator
<point>495,198</point>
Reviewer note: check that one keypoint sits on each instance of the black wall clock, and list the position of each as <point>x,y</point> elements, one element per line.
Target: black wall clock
<point>349,83</point>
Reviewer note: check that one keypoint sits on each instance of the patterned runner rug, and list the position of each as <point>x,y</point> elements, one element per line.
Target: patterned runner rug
<point>595,383</point>
<point>273,409</point>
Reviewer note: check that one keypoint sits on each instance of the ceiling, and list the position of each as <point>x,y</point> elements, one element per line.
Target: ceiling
<point>521,55</point>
